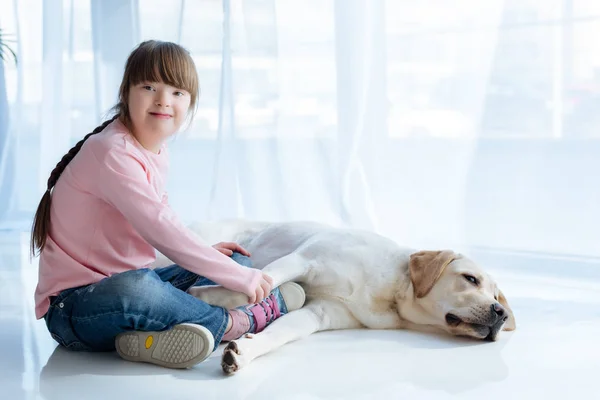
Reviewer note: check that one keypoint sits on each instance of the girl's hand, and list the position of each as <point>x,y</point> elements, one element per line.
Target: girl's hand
<point>263,289</point>
<point>228,248</point>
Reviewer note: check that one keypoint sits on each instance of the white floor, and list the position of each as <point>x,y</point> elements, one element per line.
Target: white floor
<point>554,353</point>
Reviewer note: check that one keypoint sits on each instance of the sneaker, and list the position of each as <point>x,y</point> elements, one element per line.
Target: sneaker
<point>286,298</point>
<point>183,346</point>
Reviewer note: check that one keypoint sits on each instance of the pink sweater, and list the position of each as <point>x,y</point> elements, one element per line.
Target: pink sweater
<point>110,211</point>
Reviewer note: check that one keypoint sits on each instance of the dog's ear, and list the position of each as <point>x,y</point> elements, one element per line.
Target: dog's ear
<point>426,267</point>
<point>510,324</point>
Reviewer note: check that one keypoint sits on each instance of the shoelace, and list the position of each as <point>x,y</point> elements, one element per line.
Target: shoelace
<point>271,307</point>
<point>269,311</point>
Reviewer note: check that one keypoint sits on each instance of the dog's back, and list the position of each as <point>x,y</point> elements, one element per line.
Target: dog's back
<point>318,242</point>
<point>352,266</point>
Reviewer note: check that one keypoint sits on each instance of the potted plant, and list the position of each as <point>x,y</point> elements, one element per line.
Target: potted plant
<point>5,49</point>
<point>6,155</point>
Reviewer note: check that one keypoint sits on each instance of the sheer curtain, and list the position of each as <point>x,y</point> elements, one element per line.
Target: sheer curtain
<point>437,123</point>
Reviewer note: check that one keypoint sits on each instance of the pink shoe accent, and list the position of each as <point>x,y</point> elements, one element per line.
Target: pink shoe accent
<point>240,324</point>
<point>265,312</point>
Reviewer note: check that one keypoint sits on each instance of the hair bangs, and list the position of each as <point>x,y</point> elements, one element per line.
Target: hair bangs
<point>167,63</point>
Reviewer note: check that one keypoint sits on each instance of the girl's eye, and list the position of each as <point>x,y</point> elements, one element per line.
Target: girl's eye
<point>178,94</point>
<point>147,87</point>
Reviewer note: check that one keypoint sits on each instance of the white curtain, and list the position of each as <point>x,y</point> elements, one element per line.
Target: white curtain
<point>460,123</point>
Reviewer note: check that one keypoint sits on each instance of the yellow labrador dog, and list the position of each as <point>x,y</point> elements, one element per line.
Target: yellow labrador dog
<point>356,279</point>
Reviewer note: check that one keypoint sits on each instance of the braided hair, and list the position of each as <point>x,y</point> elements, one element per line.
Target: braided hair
<point>41,223</point>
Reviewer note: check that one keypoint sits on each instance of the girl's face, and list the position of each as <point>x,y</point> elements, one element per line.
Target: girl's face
<point>157,109</point>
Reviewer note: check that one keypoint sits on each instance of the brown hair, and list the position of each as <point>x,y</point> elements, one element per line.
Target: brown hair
<point>151,61</point>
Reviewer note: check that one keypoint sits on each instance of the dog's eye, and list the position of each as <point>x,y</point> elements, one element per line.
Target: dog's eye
<point>471,279</point>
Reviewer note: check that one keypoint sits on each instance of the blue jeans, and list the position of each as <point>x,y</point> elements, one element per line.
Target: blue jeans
<point>89,318</point>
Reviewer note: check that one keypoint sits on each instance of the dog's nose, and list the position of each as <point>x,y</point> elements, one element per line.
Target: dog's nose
<point>498,309</point>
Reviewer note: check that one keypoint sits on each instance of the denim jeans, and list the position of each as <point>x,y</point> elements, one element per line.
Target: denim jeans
<point>89,318</point>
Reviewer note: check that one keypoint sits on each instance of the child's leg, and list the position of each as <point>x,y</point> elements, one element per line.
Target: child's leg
<point>242,317</point>
<point>149,306</point>
<point>90,318</point>
<point>81,334</point>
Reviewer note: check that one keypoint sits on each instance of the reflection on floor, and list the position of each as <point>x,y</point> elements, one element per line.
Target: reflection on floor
<point>553,354</point>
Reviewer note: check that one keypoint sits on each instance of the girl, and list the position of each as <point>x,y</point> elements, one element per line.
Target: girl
<point>105,212</point>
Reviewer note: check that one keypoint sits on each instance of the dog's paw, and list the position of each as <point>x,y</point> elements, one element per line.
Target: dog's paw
<point>232,360</point>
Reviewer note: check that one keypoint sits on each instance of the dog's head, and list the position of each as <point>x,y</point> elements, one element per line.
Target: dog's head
<point>458,295</point>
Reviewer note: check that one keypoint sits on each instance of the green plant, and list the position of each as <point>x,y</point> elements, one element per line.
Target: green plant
<point>5,49</point>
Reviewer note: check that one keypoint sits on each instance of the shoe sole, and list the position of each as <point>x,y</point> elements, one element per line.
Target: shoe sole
<point>293,295</point>
<point>181,347</point>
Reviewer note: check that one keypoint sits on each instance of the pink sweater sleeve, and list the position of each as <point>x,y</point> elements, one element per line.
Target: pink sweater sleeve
<point>123,183</point>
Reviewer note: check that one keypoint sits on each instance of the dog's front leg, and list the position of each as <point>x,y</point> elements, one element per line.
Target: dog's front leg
<point>315,316</point>
<point>286,269</point>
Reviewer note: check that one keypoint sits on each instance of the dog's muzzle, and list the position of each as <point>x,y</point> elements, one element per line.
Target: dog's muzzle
<point>487,328</point>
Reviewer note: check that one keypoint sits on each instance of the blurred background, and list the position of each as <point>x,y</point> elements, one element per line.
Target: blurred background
<point>461,123</point>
